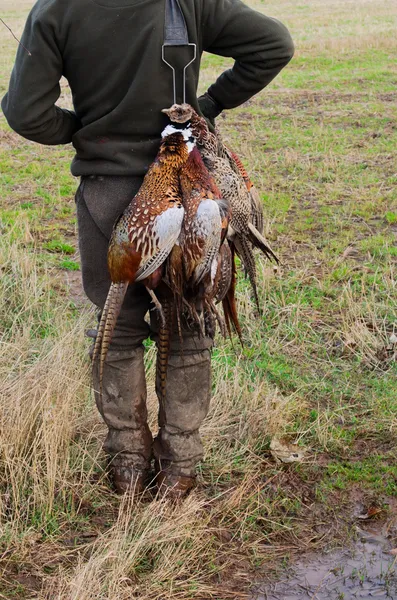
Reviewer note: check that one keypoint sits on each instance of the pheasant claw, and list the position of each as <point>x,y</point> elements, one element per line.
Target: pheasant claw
<point>157,306</point>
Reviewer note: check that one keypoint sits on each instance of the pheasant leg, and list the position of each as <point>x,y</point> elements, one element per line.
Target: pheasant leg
<point>157,306</point>
<point>214,311</point>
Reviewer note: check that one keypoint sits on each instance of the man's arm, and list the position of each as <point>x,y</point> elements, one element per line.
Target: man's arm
<point>29,105</point>
<point>260,45</point>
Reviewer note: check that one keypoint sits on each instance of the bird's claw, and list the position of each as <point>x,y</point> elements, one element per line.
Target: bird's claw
<point>157,306</point>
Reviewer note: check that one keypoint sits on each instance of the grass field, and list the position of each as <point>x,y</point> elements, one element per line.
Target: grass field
<point>318,370</point>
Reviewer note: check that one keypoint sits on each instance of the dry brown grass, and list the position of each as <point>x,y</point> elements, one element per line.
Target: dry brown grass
<point>44,387</point>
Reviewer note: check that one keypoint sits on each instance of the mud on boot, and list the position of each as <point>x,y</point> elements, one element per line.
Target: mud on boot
<point>172,485</point>
<point>127,477</point>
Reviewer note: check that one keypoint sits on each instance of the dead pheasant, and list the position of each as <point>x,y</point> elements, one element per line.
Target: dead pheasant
<point>225,288</point>
<point>198,267</point>
<point>193,263</point>
<point>238,167</point>
<point>205,226</point>
<point>145,234</point>
<point>242,231</point>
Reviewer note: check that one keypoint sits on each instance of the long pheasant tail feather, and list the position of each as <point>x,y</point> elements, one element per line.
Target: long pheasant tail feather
<point>259,241</point>
<point>229,304</point>
<point>175,270</point>
<point>101,329</point>
<point>231,318</point>
<point>112,309</point>
<point>256,210</point>
<point>245,252</point>
<point>164,347</point>
<point>225,307</point>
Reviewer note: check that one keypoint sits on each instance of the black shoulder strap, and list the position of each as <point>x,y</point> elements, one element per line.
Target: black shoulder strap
<point>175,30</point>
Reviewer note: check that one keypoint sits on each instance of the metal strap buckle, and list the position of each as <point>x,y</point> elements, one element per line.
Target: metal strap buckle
<point>174,69</point>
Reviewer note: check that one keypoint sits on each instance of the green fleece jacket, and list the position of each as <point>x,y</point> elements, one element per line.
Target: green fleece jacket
<point>110,53</point>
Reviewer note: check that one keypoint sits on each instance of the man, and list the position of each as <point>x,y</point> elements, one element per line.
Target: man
<point>110,53</point>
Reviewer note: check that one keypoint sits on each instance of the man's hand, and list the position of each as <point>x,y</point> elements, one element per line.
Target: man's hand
<point>209,107</point>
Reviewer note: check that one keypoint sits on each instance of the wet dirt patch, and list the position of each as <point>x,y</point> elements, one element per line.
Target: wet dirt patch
<point>365,571</point>
<point>75,288</point>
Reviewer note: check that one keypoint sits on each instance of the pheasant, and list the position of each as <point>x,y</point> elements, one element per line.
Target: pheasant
<point>225,288</point>
<point>238,167</point>
<point>193,264</point>
<point>205,227</point>
<point>145,234</point>
<point>205,213</point>
<point>242,232</point>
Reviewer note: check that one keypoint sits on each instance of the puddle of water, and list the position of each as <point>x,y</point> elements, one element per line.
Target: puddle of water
<point>364,572</point>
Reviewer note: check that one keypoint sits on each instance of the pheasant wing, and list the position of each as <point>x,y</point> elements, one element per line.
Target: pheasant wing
<point>158,240</point>
<point>256,204</point>
<point>206,230</point>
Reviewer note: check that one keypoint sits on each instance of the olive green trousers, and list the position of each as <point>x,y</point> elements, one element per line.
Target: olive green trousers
<point>177,446</point>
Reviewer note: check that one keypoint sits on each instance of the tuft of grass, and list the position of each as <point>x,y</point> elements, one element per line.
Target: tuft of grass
<point>70,265</point>
<point>59,246</point>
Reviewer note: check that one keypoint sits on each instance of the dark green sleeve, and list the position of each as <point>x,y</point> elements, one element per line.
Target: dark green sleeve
<point>29,105</point>
<point>260,45</point>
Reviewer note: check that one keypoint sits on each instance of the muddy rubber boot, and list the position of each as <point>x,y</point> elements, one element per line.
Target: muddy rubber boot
<point>173,487</point>
<point>123,408</point>
<point>126,477</point>
<point>177,447</point>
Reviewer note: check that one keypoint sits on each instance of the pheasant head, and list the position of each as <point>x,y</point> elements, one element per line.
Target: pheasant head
<point>179,113</point>
<point>184,113</point>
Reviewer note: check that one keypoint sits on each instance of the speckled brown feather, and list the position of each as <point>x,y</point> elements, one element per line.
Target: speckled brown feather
<point>229,299</point>
<point>256,205</point>
<point>163,348</point>
<point>224,272</point>
<point>233,187</point>
<point>197,185</point>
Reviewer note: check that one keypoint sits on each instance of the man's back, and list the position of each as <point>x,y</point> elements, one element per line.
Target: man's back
<point>110,52</point>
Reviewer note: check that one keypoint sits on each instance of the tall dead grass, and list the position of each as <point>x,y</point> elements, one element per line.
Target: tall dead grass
<point>43,387</point>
